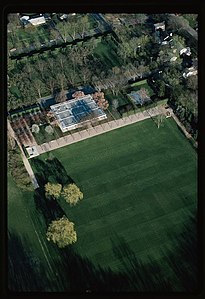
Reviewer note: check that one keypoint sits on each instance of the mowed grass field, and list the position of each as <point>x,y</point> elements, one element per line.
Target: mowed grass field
<point>32,261</point>
<point>139,185</point>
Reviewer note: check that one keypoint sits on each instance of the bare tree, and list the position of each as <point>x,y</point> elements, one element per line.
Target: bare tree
<point>61,96</point>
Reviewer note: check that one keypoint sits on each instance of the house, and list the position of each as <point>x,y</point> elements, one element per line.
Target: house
<point>162,36</point>
<point>35,21</point>
<point>186,51</point>
<point>63,16</point>
<point>158,26</point>
<point>191,71</point>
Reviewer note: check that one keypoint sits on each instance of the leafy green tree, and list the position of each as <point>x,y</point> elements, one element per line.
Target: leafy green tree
<point>84,24</point>
<point>72,194</point>
<point>53,190</point>
<point>61,232</point>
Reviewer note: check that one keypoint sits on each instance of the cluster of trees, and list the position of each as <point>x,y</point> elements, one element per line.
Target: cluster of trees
<point>100,100</point>
<point>23,38</point>
<point>53,73</point>
<point>17,168</point>
<point>182,94</point>
<point>61,231</point>
<point>70,192</point>
<point>73,25</point>
<point>32,78</point>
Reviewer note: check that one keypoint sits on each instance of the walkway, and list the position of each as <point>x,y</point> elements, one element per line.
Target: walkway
<point>24,158</point>
<point>97,130</point>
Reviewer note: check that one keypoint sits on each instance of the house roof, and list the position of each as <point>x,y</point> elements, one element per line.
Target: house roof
<point>37,21</point>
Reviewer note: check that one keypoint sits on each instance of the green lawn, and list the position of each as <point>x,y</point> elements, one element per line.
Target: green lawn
<point>107,52</point>
<point>139,186</point>
<point>33,261</point>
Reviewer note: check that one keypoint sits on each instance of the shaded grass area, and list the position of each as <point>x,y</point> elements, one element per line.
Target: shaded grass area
<point>33,262</point>
<point>106,50</point>
<point>139,184</point>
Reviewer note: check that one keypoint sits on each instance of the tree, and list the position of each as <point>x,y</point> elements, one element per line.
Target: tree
<point>62,81</point>
<point>160,118</point>
<point>86,74</point>
<point>35,128</point>
<point>38,86</point>
<point>49,129</point>
<point>98,97</point>
<point>72,194</point>
<point>61,96</point>
<point>141,17</point>
<point>63,28</point>
<point>115,104</point>
<point>53,190</point>
<point>61,232</point>
<point>84,24</point>
<point>192,82</point>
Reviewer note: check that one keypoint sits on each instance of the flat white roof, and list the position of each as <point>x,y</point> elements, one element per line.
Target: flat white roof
<point>32,151</point>
<point>37,21</point>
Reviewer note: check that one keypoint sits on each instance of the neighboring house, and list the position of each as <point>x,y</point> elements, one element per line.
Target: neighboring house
<point>186,51</point>
<point>63,16</point>
<point>26,20</point>
<point>162,36</point>
<point>37,21</point>
<point>191,71</point>
<point>158,26</point>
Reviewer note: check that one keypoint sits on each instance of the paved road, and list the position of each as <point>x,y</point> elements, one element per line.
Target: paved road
<point>25,160</point>
<point>97,130</point>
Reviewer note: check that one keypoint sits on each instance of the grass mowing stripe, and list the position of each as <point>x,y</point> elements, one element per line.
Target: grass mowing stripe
<point>139,182</point>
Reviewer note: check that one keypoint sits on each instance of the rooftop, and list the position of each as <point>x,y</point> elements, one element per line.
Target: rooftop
<point>70,113</point>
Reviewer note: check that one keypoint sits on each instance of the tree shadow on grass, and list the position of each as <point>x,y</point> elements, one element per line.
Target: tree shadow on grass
<point>49,208</point>
<point>25,271</point>
<point>143,277</point>
<point>180,262</point>
<point>50,171</point>
<point>77,274</point>
<point>83,276</point>
<point>184,258</point>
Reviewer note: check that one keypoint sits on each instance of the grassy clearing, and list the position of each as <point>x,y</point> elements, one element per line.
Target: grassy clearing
<point>139,83</point>
<point>107,52</point>
<point>139,185</point>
